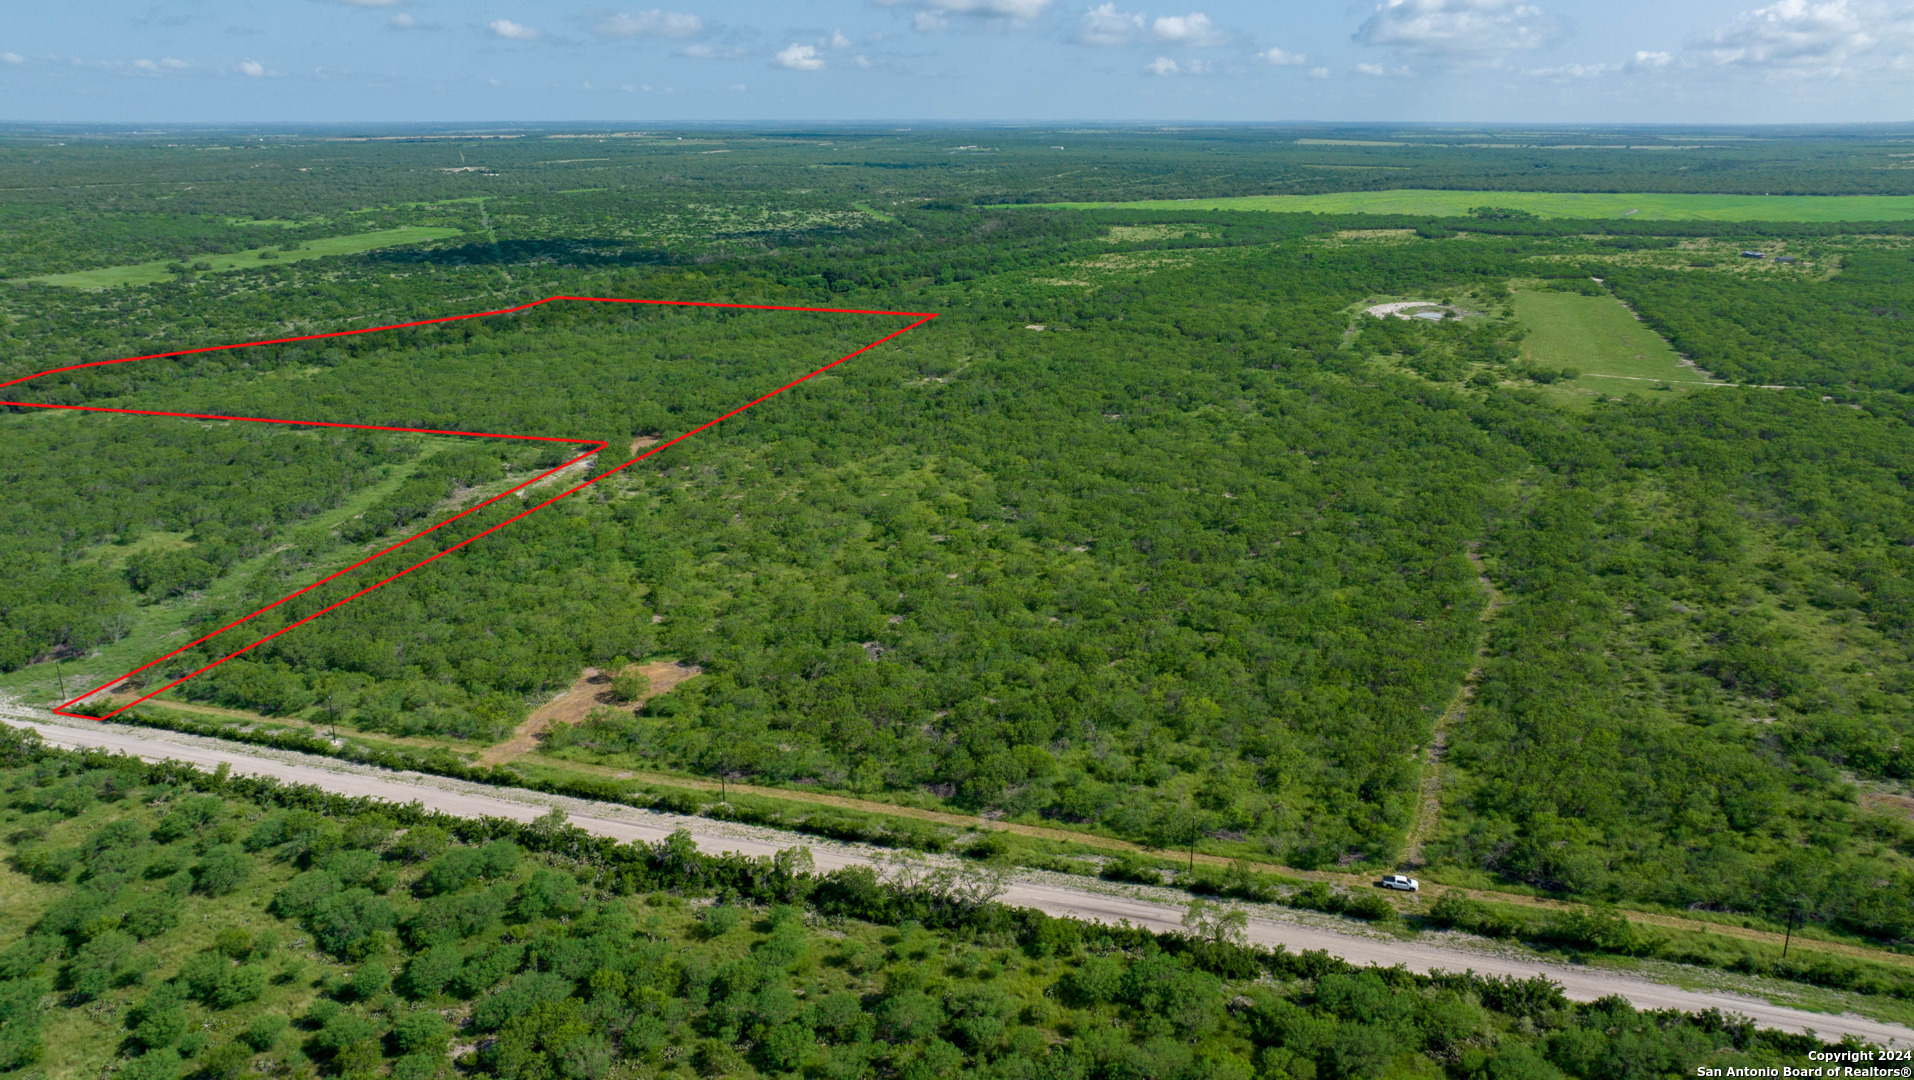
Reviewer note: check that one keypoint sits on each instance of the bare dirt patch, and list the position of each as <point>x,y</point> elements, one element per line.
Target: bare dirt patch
<point>1894,804</point>
<point>1375,234</point>
<point>1121,233</point>
<point>591,691</point>
<point>645,442</point>
<point>1414,309</point>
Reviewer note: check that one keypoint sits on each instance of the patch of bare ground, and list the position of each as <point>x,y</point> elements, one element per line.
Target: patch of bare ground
<point>1895,804</point>
<point>591,691</point>
<point>1429,805</point>
<point>645,442</point>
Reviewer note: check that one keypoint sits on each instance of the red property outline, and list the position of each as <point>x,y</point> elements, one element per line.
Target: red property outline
<point>593,447</point>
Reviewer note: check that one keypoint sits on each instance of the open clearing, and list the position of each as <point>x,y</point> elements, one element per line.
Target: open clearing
<point>1602,339</point>
<point>1650,207</point>
<point>149,273</point>
<point>591,691</point>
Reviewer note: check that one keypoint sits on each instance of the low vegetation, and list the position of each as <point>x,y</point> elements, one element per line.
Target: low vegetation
<point>1642,206</point>
<point>171,923</point>
<point>1151,534</point>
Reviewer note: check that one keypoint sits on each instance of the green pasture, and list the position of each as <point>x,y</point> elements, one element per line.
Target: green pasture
<point>1615,353</point>
<point>149,273</point>
<point>1554,204</point>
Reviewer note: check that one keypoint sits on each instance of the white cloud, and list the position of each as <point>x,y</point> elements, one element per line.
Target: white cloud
<point>932,15</point>
<point>1282,58</point>
<point>801,58</point>
<point>1163,65</point>
<point>1457,28</point>
<point>506,28</point>
<point>653,23</point>
<point>403,21</point>
<point>1645,60</point>
<point>737,88</point>
<point>837,40</point>
<point>1319,73</point>
<point>13,58</point>
<point>1192,29</point>
<point>1802,37</point>
<point>1105,25</point>
<point>252,69</point>
<point>166,64</point>
<point>710,52</point>
<point>1383,71</point>
<point>1571,71</point>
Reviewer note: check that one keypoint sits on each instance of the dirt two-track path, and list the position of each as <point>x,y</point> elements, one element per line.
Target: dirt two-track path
<point>1054,894</point>
<point>1429,799</point>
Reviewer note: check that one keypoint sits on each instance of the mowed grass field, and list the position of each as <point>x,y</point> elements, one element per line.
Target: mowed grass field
<point>1615,353</point>
<point>148,273</point>
<point>1652,207</point>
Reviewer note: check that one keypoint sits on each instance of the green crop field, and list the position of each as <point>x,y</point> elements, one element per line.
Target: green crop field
<point>1603,340</point>
<point>149,273</point>
<point>1652,207</point>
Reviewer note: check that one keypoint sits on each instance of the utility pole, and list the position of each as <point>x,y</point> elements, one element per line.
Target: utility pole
<point>1793,914</point>
<point>59,672</point>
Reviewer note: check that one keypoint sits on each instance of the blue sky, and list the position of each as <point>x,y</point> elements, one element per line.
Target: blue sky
<point>1574,61</point>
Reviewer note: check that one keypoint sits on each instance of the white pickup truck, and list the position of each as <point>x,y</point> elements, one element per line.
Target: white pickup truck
<point>1398,881</point>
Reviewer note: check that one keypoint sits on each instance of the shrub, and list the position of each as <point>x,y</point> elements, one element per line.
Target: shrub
<point>160,1064</point>
<point>264,1031</point>
<point>1452,909</point>
<point>1131,868</point>
<point>1097,980</point>
<point>908,1016</point>
<point>370,979</point>
<point>158,1021</point>
<point>222,869</point>
<point>20,1017</point>
<point>234,942</point>
<point>1372,906</point>
<point>546,893</point>
<point>630,686</point>
<point>217,982</point>
<point>106,961</point>
<point>226,1062</point>
<point>47,865</point>
<point>421,842</point>
<point>428,972</point>
<point>717,921</point>
<point>423,1031</point>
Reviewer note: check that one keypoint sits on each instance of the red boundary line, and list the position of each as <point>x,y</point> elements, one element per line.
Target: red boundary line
<point>592,447</point>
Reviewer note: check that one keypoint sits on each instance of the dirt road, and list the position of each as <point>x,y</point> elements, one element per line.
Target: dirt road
<point>1054,894</point>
